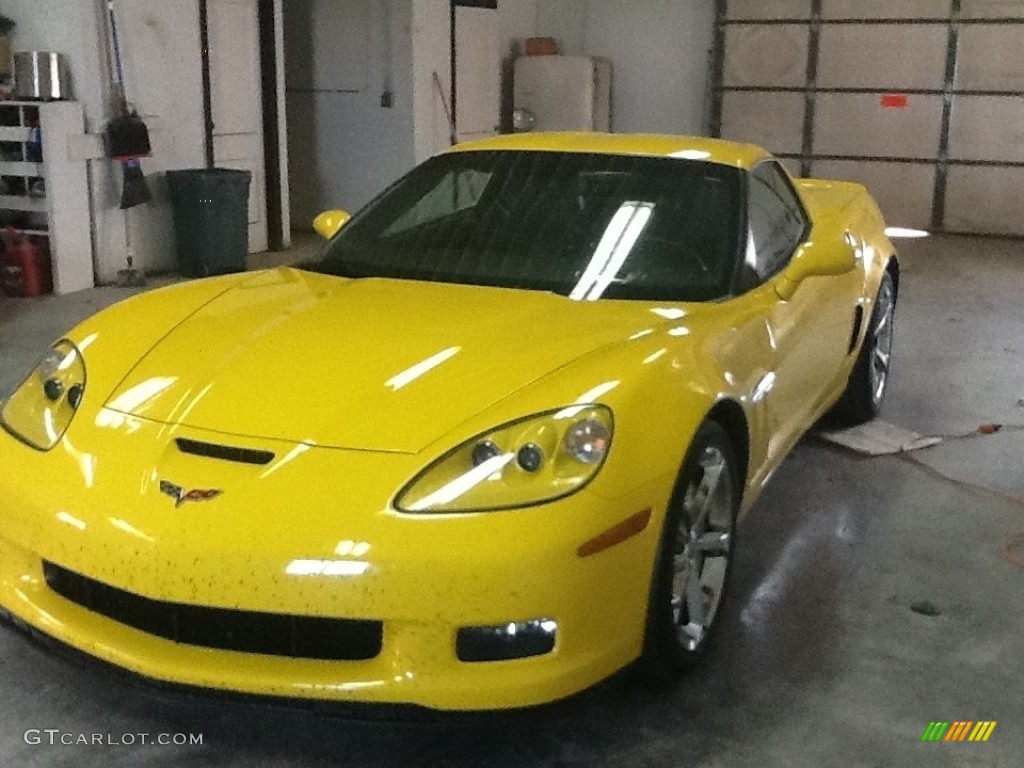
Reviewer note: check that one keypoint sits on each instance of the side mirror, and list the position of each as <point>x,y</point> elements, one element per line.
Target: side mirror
<point>328,223</point>
<point>815,259</point>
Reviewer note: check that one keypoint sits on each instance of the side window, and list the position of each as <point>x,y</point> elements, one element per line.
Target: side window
<point>777,223</point>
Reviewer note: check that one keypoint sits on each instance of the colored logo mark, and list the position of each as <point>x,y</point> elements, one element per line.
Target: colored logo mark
<point>180,495</point>
<point>958,730</point>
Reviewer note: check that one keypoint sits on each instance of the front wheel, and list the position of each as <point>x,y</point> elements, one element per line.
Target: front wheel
<point>865,391</point>
<point>693,563</point>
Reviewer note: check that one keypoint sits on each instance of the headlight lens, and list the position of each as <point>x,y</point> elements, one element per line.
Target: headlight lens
<point>587,441</point>
<point>40,410</point>
<point>523,463</point>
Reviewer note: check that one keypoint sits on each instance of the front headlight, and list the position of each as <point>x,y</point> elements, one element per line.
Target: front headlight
<point>526,462</point>
<point>40,410</point>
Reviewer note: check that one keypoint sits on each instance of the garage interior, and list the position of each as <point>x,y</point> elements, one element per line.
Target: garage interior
<point>872,594</point>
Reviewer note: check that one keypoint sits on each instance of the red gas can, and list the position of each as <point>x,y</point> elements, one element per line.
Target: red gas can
<point>26,268</point>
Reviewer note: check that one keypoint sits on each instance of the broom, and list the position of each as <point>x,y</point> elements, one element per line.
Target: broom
<point>127,141</point>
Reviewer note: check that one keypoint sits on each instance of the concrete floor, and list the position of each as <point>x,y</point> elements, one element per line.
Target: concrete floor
<point>820,661</point>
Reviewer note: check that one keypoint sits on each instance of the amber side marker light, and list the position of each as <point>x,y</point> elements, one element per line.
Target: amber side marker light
<point>617,534</point>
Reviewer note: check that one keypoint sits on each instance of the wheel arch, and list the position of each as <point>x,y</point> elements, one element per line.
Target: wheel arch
<point>892,266</point>
<point>729,414</point>
<point>660,663</point>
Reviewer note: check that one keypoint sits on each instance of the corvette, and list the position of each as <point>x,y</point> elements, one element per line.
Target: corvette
<point>490,448</point>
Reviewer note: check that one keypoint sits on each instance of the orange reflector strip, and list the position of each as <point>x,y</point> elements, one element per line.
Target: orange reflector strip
<point>959,730</point>
<point>617,534</point>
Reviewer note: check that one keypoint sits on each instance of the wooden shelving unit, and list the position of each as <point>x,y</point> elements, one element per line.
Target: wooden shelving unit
<point>43,192</point>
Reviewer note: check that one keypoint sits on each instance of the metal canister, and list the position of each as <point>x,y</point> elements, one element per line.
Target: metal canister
<point>41,75</point>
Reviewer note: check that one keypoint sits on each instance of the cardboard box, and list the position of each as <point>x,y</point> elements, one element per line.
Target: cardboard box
<point>541,46</point>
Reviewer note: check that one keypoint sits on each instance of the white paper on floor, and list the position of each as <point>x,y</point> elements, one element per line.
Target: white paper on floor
<point>879,438</point>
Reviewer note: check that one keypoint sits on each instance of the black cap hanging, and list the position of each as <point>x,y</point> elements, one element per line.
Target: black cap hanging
<point>127,136</point>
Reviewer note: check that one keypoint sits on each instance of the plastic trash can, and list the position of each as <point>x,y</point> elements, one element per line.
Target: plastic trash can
<point>211,219</point>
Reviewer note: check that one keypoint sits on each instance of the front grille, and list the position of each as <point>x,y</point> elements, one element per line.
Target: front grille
<point>224,452</point>
<point>275,634</point>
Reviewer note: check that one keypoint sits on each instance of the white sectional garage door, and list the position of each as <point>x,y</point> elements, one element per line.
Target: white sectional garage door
<point>922,100</point>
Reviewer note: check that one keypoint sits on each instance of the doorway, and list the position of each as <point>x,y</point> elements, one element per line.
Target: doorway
<point>476,69</point>
<point>236,102</point>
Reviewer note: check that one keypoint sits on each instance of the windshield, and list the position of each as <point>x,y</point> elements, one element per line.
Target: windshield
<point>587,226</point>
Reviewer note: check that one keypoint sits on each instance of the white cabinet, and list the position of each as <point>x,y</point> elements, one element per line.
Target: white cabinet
<point>565,93</point>
<point>43,192</point>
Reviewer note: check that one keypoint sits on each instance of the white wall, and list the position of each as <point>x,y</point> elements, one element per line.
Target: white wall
<point>376,147</point>
<point>282,124</point>
<point>518,20</point>
<point>659,51</point>
<point>344,147</point>
<point>161,46</point>
<point>163,68</point>
<point>70,28</point>
<point>431,54</point>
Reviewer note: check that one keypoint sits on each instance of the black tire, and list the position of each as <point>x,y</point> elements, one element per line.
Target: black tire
<point>674,639</point>
<point>862,399</point>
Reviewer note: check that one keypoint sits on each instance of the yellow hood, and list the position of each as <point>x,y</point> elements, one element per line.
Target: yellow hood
<point>370,364</point>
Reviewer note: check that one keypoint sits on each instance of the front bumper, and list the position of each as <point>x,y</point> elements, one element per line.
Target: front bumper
<point>100,514</point>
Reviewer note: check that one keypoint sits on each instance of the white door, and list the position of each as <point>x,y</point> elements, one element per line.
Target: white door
<point>236,95</point>
<point>477,73</point>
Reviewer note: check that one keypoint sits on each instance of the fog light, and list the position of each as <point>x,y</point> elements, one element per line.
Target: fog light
<point>502,642</point>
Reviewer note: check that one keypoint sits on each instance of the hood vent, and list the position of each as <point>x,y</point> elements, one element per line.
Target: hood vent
<point>224,452</point>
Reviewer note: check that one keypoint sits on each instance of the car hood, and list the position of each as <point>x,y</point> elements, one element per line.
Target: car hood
<point>372,364</point>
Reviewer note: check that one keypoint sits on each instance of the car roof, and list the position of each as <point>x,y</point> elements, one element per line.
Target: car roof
<point>645,144</point>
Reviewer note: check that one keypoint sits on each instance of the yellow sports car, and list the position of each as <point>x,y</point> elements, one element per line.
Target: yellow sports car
<point>489,449</point>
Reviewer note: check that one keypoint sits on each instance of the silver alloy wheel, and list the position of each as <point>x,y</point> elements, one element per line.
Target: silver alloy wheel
<point>881,342</point>
<point>703,548</point>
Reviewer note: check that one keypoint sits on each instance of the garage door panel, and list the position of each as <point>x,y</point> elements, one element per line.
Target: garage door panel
<point>903,190</point>
<point>859,124</point>
<point>992,9</point>
<point>985,200</point>
<point>894,9</point>
<point>791,165</point>
<point>883,56</point>
<point>987,128</point>
<point>774,55</point>
<point>880,71</point>
<point>990,58</point>
<point>769,9</point>
<point>771,120</point>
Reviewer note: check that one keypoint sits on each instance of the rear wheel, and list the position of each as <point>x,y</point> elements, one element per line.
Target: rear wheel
<point>865,391</point>
<point>693,564</point>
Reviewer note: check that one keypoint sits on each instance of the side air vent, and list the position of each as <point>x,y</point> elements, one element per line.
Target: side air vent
<point>224,452</point>
<point>858,320</point>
